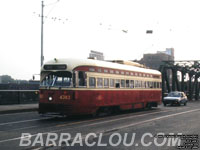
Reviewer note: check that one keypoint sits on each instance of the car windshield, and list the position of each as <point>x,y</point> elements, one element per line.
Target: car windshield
<point>57,79</point>
<point>174,94</point>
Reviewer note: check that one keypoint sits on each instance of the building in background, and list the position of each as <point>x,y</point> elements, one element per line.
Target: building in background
<point>96,55</point>
<point>154,61</point>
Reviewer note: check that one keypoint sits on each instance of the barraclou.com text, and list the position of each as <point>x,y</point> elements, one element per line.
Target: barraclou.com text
<point>93,139</point>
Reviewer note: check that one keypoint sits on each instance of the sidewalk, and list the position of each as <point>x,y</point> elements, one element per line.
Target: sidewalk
<point>6,109</point>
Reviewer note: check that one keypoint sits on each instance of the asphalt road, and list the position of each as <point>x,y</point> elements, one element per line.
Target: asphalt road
<point>142,129</point>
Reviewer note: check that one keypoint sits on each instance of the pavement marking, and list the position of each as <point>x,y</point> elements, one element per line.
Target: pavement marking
<point>134,124</point>
<point>16,113</point>
<point>44,133</point>
<point>154,119</point>
<point>15,122</point>
<point>107,121</point>
<point>61,125</point>
<point>122,127</point>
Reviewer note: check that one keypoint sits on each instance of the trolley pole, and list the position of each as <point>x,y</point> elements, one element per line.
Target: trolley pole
<point>42,22</point>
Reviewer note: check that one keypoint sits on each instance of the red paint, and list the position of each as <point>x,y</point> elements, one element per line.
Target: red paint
<point>88,101</point>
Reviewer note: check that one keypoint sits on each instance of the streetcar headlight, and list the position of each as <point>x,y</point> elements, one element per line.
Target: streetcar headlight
<point>50,98</point>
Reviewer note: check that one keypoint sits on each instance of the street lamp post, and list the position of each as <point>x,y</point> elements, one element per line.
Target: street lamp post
<point>42,22</point>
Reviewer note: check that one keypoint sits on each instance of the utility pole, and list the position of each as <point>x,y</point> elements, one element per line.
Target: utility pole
<point>42,22</point>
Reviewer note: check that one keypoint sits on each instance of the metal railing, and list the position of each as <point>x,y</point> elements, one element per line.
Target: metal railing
<point>18,96</point>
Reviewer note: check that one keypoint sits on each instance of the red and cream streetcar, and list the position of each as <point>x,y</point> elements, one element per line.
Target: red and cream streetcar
<point>76,87</point>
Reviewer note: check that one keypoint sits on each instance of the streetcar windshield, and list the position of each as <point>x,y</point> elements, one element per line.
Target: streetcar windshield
<point>56,79</point>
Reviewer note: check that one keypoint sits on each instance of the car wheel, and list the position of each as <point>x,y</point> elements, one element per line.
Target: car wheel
<point>164,104</point>
<point>185,103</point>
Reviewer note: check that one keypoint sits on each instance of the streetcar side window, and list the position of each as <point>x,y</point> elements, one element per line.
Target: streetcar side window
<point>92,82</point>
<point>136,83</point>
<point>99,82</point>
<point>117,83</point>
<point>112,83</point>
<point>127,84</point>
<point>82,79</point>
<point>106,83</point>
<point>123,83</point>
<point>154,85</point>
<point>151,84</point>
<point>132,84</point>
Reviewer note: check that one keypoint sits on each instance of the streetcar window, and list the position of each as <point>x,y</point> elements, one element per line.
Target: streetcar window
<point>151,84</point>
<point>132,84</point>
<point>99,82</point>
<point>60,79</point>
<point>136,83</point>
<point>147,84</point>
<point>158,85</point>
<point>106,83</point>
<point>99,70</point>
<point>122,72</point>
<point>92,82</point>
<point>139,84</point>
<point>154,85</point>
<point>144,84</point>
<point>106,70</point>
<point>117,72</point>
<point>123,83</point>
<point>112,83</point>
<point>117,83</point>
<point>127,83</point>
<point>82,78</point>
<point>111,71</point>
<point>92,69</point>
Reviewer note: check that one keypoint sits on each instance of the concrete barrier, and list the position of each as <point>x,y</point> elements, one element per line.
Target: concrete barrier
<point>18,96</point>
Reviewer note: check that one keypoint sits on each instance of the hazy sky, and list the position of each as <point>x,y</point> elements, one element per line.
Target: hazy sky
<point>84,25</point>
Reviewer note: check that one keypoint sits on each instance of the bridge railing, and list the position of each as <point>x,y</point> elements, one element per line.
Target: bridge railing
<point>18,96</point>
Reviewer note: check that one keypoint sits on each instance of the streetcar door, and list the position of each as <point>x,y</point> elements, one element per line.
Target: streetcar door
<point>82,79</point>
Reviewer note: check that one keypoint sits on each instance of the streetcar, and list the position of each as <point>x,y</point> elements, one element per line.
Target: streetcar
<point>86,86</point>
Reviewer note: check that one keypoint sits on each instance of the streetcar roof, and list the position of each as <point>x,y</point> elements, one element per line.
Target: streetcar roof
<point>72,63</point>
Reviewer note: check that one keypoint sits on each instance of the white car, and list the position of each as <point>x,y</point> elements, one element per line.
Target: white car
<point>175,98</point>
